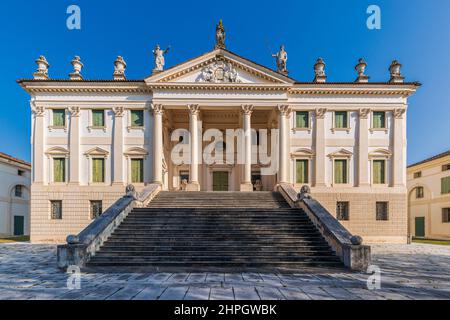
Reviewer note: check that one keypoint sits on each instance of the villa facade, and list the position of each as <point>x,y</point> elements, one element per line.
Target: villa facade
<point>346,140</point>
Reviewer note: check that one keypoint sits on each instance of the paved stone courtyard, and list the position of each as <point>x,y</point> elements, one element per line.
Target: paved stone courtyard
<point>407,272</point>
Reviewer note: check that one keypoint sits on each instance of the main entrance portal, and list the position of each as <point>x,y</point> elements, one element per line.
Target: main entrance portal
<point>220,181</point>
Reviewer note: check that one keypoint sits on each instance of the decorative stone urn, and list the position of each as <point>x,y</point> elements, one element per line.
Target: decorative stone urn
<point>319,70</point>
<point>42,70</point>
<point>395,71</point>
<point>119,68</point>
<point>77,66</point>
<point>361,68</point>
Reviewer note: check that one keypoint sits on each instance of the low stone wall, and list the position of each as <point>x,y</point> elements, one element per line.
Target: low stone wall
<point>79,249</point>
<point>347,247</point>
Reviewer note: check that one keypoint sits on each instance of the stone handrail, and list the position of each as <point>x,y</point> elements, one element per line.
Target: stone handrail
<point>79,249</point>
<point>347,247</point>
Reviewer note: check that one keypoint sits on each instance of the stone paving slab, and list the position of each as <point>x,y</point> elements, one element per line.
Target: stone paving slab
<point>418,271</point>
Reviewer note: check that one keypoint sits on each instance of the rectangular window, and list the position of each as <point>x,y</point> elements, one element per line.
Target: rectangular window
<point>59,118</point>
<point>59,170</point>
<point>382,211</point>
<point>446,167</point>
<point>342,210</point>
<point>98,170</point>
<point>18,191</point>
<point>96,208</point>
<point>445,215</point>
<point>302,171</point>
<point>379,120</point>
<point>20,172</point>
<point>419,192</point>
<point>98,118</point>
<point>445,185</point>
<point>137,170</point>
<point>379,176</point>
<point>184,176</point>
<point>302,119</point>
<point>56,209</point>
<point>341,119</point>
<point>417,174</point>
<point>340,171</point>
<point>137,118</point>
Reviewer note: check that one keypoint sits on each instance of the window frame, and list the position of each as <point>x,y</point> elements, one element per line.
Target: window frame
<point>57,152</point>
<point>142,168</point>
<point>387,210</point>
<point>52,125</point>
<point>18,191</point>
<point>445,167</point>
<point>372,127</point>
<point>66,174</point>
<point>420,195</point>
<point>130,125</point>
<point>91,120</point>
<point>92,169</point>
<point>347,172</point>
<point>442,184</point>
<point>347,127</point>
<point>347,218</point>
<point>52,217</point>
<point>91,212</point>
<point>385,160</point>
<point>309,122</point>
<point>447,218</point>
<point>417,175</point>
<point>308,173</point>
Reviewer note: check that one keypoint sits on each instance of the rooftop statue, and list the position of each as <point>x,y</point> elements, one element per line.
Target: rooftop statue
<point>220,36</point>
<point>281,57</point>
<point>158,53</point>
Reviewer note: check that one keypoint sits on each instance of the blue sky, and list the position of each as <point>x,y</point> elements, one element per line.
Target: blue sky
<point>416,32</point>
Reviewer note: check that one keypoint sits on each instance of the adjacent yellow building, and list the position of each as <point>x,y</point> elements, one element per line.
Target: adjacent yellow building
<point>429,197</point>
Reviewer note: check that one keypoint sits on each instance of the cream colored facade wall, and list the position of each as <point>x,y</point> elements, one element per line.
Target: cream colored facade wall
<point>10,205</point>
<point>431,205</point>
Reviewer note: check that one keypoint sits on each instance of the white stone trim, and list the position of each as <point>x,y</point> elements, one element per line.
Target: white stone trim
<point>91,127</point>
<point>294,121</point>
<point>333,123</point>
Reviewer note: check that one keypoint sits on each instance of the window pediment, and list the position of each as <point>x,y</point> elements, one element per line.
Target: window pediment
<point>97,151</point>
<point>135,151</point>
<point>302,152</point>
<point>380,153</point>
<point>57,151</point>
<point>341,154</point>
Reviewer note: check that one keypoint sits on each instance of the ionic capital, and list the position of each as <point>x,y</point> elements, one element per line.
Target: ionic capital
<point>364,113</point>
<point>38,111</point>
<point>398,113</point>
<point>118,111</point>
<point>320,113</point>
<point>194,109</point>
<point>284,110</point>
<point>74,111</point>
<point>247,109</point>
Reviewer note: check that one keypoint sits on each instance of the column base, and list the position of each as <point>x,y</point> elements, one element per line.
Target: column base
<point>193,186</point>
<point>246,187</point>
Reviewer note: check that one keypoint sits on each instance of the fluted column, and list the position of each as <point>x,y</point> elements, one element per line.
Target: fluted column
<point>247,111</point>
<point>320,148</point>
<point>363,148</point>
<point>74,145</point>
<point>399,156</point>
<point>283,166</point>
<point>118,146</point>
<point>38,143</point>
<point>158,112</point>
<point>194,110</point>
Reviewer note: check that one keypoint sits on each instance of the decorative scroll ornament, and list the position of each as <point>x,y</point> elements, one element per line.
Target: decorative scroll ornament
<point>363,113</point>
<point>247,109</point>
<point>157,109</point>
<point>219,72</point>
<point>320,113</point>
<point>74,111</point>
<point>399,112</point>
<point>194,109</point>
<point>119,111</point>
<point>284,110</point>
<point>38,111</point>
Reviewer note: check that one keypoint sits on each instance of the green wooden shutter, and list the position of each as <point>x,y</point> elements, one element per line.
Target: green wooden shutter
<point>137,170</point>
<point>378,171</point>
<point>59,170</point>
<point>302,171</point>
<point>445,185</point>
<point>59,118</point>
<point>137,118</point>
<point>302,119</point>
<point>379,120</point>
<point>98,118</point>
<point>340,171</point>
<point>98,170</point>
<point>340,119</point>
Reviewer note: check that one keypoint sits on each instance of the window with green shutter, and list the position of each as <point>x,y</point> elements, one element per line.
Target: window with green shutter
<point>340,171</point>
<point>98,170</point>
<point>59,170</point>
<point>340,119</point>
<point>302,171</point>
<point>137,118</point>
<point>445,185</point>
<point>98,118</point>
<point>379,120</point>
<point>137,170</point>
<point>379,176</point>
<point>302,119</point>
<point>59,118</point>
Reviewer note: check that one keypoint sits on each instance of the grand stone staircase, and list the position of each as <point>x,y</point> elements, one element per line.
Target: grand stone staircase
<point>204,230</point>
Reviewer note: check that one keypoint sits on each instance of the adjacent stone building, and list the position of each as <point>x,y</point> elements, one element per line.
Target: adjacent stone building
<point>429,197</point>
<point>347,140</point>
<point>15,183</point>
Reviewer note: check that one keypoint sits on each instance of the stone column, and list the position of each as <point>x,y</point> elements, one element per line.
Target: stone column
<point>74,146</point>
<point>194,110</point>
<point>399,142</point>
<point>283,174</point>
<point>118,146</point>
<point>38,144</point>
<point>363,148</point>
<point>158,111</point>
<point>320,148</point>
<point>246,185</point>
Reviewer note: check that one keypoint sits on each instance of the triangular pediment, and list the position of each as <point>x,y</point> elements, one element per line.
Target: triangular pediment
<point>219,66</point>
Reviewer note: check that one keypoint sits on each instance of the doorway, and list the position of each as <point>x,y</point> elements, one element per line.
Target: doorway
<point>19,223</point>
<point>220,181</point>
<point>420,227</point>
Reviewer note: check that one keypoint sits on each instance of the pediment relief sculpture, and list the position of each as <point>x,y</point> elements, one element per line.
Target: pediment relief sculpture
<point>219,72</point>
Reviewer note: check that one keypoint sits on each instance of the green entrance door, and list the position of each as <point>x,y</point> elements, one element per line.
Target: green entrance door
<point>420,226</point>
<point>18,225</point>
<point>220,181</point>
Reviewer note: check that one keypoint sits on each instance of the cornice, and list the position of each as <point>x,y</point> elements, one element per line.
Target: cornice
<point>84,86</point>
<point>219,86</point>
